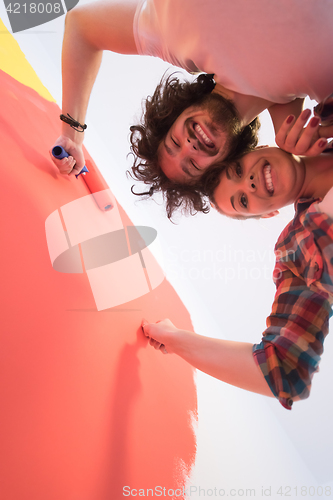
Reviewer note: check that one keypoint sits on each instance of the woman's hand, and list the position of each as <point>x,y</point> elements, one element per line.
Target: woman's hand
<point>229,361</point>
<point>74,163</point>
<point>161,335</point>
<point>295,137</point>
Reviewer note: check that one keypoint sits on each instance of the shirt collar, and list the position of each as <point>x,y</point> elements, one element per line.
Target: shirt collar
<point>303,203</point>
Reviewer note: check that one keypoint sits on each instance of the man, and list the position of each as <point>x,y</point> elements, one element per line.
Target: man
<point>250,72</point>
<point>186,128</point>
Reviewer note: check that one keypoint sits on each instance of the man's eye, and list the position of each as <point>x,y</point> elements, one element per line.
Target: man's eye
<point>194,165</point>
<point>238,169</point>
<point>175,143</point>
<point>243,201</point>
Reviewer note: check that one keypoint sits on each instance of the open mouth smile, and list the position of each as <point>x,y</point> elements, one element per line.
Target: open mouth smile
<point>268,179</point>
<point>203,137</point>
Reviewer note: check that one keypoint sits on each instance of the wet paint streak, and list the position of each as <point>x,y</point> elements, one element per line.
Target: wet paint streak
<point>87,406</point>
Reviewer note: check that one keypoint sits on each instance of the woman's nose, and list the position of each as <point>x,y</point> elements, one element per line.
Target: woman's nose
<point>252,183</point>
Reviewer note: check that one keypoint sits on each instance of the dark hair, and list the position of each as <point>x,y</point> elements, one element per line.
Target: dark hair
<point>169,100</point>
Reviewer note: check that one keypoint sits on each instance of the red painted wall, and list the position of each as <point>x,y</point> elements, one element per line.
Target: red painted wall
<point>87,407</point>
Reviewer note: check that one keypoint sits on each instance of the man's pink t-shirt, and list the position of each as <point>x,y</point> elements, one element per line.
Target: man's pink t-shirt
<point>273,49</point>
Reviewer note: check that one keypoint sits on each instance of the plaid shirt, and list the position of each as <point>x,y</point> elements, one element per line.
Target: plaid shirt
<point>292,344</point>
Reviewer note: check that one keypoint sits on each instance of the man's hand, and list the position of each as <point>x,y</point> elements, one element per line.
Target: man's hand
<point>295,137</point>
<point>161,335</point>
<point>74,163</point>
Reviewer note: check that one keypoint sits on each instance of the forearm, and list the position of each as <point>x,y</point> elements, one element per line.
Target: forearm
<point>80,65</point>
<point>90,29</point>
<point>229,361</point>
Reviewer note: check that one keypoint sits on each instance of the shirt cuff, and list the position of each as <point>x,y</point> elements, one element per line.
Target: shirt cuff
<point>260,357</point>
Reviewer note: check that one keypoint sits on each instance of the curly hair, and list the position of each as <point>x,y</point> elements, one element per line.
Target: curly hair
<point>170,98</point>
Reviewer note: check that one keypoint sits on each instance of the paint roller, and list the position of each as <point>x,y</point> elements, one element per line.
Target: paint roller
<point>92,178</point>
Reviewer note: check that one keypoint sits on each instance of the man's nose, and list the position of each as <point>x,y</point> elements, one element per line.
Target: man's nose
<point>191,144</point>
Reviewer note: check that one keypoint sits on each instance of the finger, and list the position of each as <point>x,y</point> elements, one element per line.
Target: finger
<point>58,163</point>
<point>163,349</point>
<point>72,166</point>
<point>317,148</point>
<point>283,130</point>
<point>290,130</point>
<point>297,129</point>
<point>65,165</point>
<point>144,326</point>
<point>76,170</point>
<point>158,346</point>
<point>307,138</point>
<point>78,165</point>
<point>154,343</point>
<point>326,131</point>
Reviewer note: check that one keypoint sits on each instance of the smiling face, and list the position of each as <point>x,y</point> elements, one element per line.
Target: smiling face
<point>259,184</point>
<point>198,138</point>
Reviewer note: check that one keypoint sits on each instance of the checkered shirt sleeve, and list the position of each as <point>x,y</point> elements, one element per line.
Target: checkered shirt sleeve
<point>292,344</point>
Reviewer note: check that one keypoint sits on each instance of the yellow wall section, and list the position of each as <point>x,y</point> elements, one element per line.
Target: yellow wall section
<point>13,62</point>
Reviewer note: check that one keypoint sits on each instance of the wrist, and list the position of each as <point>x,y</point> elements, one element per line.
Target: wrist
<point>72,134</point>
<point>73,123</point>
<point>183,343</point>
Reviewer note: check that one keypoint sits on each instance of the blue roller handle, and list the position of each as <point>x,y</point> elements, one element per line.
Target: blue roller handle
<point>59,152</point>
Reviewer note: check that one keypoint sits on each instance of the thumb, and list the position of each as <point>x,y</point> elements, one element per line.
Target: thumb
<point>326,132</point>
<point>144,323</point>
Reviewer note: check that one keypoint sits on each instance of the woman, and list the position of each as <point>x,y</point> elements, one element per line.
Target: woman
<point>257,186</point>
<point>276,56</point>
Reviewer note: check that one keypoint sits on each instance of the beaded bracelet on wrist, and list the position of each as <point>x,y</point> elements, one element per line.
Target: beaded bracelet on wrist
<point>73,123</point>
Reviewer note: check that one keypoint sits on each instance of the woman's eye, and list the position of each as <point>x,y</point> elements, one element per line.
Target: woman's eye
<point>243,201</point>
<point>175,143</point>
<point>238,169</point>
